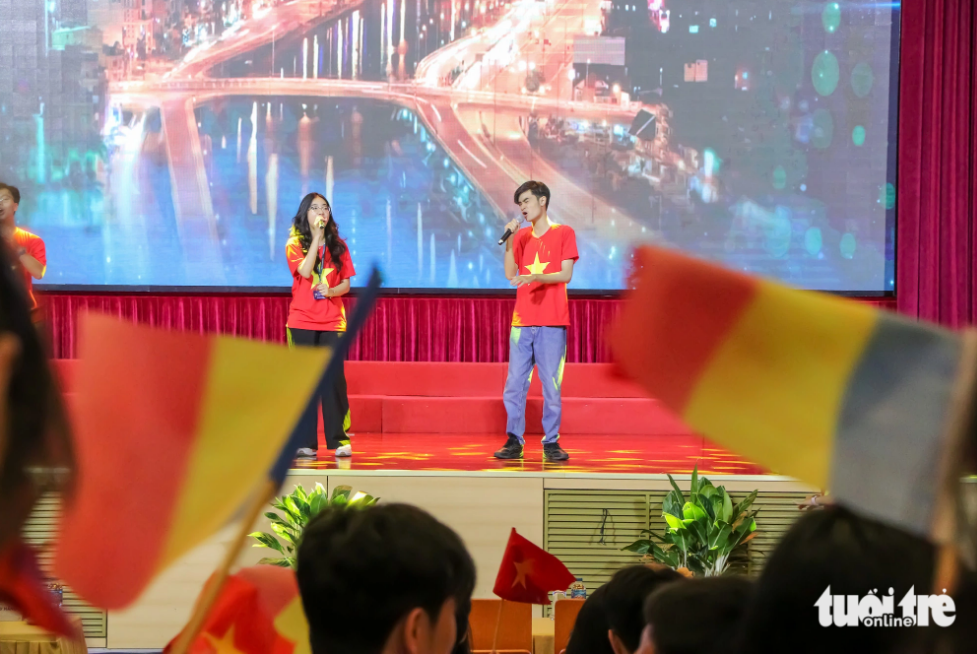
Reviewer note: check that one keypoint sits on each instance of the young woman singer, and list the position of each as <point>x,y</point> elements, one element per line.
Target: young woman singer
<point>321,269</point>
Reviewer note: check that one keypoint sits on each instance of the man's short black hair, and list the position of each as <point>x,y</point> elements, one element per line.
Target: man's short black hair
<point>361,571</point>
<point>14,191</point>
<point>589,635</point>
<point>698,616</point>
<point>625,598</point>
<point>855,556</point>
<point>539,189</point>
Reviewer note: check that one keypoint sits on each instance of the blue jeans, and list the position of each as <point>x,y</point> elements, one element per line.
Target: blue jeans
<point>546,348</point>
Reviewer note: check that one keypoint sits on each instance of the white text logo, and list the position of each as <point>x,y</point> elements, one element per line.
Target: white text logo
<point>874,610</point>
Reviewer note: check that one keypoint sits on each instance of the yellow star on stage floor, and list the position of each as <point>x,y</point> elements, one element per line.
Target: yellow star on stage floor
<point>225,645</point>
<point>537,267</point>
<point>523,568</point>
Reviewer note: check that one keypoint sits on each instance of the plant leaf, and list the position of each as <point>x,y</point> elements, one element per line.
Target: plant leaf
<point>317,502</point>
<point>266,540</point>
<point>271,515</point>
<point>665,556</point>
<point>694,484</point>
<point>640,546</point>
<point>673,522</point>
<point>672,504</point>
<point>340,495</point>
<point>292,511</point>
<point>678,539</point>
<point>717,539</point>
<point>699,529</point>
<point>289,535</point>
<point>681,497</point>
<point>727,512</point>
<point>692,511</point>
<point>743,505</point>
<point>300,493</point>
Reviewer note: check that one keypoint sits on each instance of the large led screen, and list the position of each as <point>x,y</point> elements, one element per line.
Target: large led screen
<point>168,143</point>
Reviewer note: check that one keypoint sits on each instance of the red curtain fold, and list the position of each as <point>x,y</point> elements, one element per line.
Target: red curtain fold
<point>403,328</point>
<point>936,223</point>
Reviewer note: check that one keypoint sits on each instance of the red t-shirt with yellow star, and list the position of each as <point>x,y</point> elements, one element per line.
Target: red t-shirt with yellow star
<point>543,305</point>
<point>34,245</point>
<point>305,311</point>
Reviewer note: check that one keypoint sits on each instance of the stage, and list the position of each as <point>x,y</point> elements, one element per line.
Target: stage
<point>424,434</point>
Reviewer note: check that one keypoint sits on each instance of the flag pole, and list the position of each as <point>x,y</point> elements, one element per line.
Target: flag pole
<point>266,493</point>
<point>948,517</point>
<point>498,625</point>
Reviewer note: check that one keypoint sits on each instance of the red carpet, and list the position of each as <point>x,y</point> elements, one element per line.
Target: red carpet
<point>603,454</point>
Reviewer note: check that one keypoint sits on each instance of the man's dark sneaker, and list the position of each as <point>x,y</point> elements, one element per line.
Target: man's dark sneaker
<point>553,452</point>
<point>511,450</point>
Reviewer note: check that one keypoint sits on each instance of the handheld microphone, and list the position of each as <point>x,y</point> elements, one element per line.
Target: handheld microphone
<point>505,236</point>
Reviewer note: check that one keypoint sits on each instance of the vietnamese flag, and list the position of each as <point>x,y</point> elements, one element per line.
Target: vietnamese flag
<point>528,573</point>
<point>259,611</point>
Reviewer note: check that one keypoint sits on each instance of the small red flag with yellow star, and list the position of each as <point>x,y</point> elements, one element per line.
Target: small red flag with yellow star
<point>528,573</point>
<point>259,611</point>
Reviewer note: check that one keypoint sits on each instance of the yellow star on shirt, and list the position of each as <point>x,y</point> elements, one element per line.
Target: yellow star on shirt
<point>225,645</point>
<point>523,568</point>
<point>321,279</point>
<point>537,267</point>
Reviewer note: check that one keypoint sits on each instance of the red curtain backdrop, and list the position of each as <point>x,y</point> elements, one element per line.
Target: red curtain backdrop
<point>403,328</point>
<point>937,177</point>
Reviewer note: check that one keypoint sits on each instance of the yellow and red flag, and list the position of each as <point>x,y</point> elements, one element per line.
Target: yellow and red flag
<point>824,389</point>
<point>22,588</point>
<point>172,431</point>
<point>258,611</point>
<point>528,572</point>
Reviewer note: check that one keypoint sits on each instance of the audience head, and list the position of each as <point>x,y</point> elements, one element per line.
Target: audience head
<point>623,598</point>
<point>388,578</point>
<point>699,616</point>
<point>589,635</point>
<point>854,556</point>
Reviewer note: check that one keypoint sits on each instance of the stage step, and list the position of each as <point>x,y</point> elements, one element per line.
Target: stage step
<point>483,415</point>
<point>439,379</point>
<point>466,398</point>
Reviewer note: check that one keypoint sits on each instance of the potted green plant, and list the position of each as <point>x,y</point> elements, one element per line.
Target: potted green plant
<point>297,509</point>
<point>701,531</point>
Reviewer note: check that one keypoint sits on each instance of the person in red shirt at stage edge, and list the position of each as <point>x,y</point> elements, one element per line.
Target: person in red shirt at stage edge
<point>321,269</point>
<point>28,249</point>
<point>539,263</point>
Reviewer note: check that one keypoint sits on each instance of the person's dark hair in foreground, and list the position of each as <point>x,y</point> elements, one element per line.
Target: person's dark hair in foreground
<point>699,616</point>
<point>385,579</point>
<point>610,621</point>
<point>589,635</point>
<point>625,598</point>
<point>854,556</point>
<point>35,440</point>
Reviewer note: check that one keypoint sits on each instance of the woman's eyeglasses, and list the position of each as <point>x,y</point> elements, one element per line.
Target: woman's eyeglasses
<point>319,207</point>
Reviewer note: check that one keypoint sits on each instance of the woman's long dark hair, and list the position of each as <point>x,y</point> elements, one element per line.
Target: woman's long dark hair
<point>301,229</point>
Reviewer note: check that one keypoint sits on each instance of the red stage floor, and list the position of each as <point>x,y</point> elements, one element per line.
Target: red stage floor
<point>472,453</point>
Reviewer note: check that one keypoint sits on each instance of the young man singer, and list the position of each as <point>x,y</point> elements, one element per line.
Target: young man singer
<point>539,263</point>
